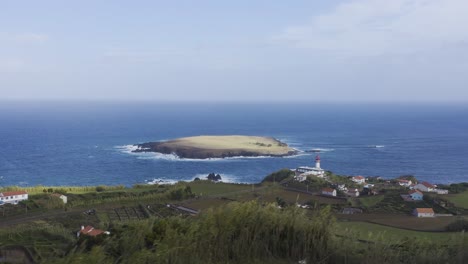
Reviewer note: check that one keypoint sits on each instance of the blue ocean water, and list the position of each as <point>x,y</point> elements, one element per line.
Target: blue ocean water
<point>87,143</point>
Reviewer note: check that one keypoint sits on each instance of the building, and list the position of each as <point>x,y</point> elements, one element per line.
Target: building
<point>404,183</point>
<point>441,191</point>
<point>423,212</point>
<point>314,171</point>
<point>424,187</point>
<point>353,192</point>
<point>328,192</point>
<point>13,197</point>
<point>358,179</point>
<point>61,197</point>
<point>301,177</point>
<point>416,195</point>
<point>91,231</point>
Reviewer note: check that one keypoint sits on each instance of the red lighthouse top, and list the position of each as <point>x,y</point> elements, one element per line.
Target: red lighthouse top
<point>317,158</point>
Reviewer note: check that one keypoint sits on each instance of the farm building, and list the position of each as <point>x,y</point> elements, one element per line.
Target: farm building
<point>423,212</point>
<point>91,231</point>
<point>416,195</point>
<point>359,179</point>
<point>424,187</point>
<point>329,191</point>
<point>13,197</point>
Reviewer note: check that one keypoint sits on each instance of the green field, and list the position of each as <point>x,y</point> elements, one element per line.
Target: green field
<point>370,201</point>
<point>459,199</point>
<point>374,232</point>
<point>205,188</point>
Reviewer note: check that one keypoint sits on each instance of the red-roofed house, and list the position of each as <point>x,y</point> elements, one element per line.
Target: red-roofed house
<point>425,187</point>
<point>423,212</point>
<point>358,179</point>
<point>13,197</point>
<point>91,231</point>
<point>416,195</point>
<point>329,191</point>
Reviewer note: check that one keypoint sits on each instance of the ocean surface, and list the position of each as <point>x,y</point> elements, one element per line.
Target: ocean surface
<point>88,143</point>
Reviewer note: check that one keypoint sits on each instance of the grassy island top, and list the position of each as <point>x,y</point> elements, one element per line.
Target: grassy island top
<point>267,145</point>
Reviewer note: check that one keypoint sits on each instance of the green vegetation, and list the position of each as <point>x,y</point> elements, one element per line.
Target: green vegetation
<point>247,232</point>
<point>458,225</point>
<point>204,188</point>
<point>370,201</point>
<point>61,189</point>
<point>459,199</point>
<point>279,176</point>
<point>238,223</point>
<point>375,232</point>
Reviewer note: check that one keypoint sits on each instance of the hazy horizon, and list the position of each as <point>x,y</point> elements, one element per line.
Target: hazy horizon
<point>369,51</point>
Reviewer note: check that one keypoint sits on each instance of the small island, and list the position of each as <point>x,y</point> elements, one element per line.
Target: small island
<point>205,147</point>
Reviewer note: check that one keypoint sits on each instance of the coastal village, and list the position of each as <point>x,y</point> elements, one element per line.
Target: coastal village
<point>410,190</point>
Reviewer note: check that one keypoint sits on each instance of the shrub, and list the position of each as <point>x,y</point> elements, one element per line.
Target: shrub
<point>279,175</point>
<point>458,225</point>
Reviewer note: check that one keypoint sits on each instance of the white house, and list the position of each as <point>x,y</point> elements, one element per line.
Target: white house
<point>13,197</point>
<point>424,187</point>
<point>314,171</point>
<point>423,212</point>
<point>353,192</point>
<point>416,195</point>
<point>441,191</point>
<point>342,187</point>
<point>358,179</point>
<point>404,183</point>
<point>301,177</point>
<point>329,192</point>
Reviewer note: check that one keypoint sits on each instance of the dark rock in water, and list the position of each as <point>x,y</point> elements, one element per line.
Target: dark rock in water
<point>213,177</point>
<point>196,179</point>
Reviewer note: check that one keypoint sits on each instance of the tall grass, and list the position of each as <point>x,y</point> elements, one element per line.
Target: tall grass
<point>62,189</point>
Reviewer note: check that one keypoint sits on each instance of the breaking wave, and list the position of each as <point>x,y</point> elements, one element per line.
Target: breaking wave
<point>128,149</point>
<point>226,178</point>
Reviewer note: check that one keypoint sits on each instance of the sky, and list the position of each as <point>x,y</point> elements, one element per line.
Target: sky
<point>243,50</point>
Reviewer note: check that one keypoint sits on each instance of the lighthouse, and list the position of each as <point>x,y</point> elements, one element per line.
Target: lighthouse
<point>317,162</point>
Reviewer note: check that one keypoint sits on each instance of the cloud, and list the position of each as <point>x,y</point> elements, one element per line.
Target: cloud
<point>377,27</point>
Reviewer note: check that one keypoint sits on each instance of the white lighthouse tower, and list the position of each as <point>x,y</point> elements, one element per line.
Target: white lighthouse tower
<point>317,162</point>
<point>314,171</point>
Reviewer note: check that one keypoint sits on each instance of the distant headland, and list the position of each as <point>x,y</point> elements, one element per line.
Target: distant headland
<point>205,147</point>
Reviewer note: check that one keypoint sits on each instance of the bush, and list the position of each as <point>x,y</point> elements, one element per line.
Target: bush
<point>100,188</point>
<point>458,225</point>
<point>278,176</point>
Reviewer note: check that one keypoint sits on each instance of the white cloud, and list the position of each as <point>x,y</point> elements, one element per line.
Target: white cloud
<point>376,27</point>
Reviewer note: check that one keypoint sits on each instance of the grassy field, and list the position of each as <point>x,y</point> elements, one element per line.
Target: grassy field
<point>205,188</point>
<point>264,145</point>
<point>370,201</point>
<point>404,221</point>
<point>459,199</point>
<point>374,232</point>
